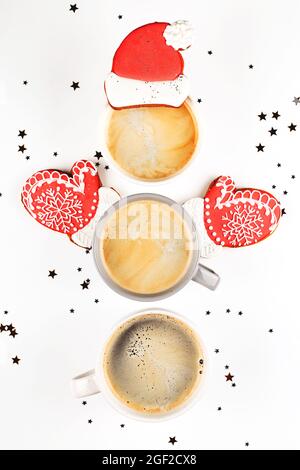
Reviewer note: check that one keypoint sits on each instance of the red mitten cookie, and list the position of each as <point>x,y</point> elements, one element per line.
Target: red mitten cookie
<point>148,67</point>
<point>239,217</point>
<point>65,203</point>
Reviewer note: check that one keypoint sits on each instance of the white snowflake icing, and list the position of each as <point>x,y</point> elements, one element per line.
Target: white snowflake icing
<point>59,210</point>
<point>242,226</point>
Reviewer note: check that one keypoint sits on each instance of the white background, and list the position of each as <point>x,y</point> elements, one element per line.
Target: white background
<point>48,45</point>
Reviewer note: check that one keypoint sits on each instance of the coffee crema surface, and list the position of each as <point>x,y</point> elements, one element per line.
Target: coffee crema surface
<point>153,142</point>
<point>145,247</point>
<point>153,363</point>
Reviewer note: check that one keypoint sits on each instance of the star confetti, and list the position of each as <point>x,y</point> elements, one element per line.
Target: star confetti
<point>73,8</point>
<point>262,116</point>
<point>22,148</point>
<point>22,134</point>
<point>85,284</point>
<point>260,147</point>
<point>292,127</point>
<point>98,155</point>
<point>75,85</point>
<point>172,440</point>
<point>229,377</point>
<point>273,131</point>
<point>52,274</point>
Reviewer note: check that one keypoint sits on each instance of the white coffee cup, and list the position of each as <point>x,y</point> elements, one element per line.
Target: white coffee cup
<point>93,381</point>
<point>104,123</point>
<point>196,271</point>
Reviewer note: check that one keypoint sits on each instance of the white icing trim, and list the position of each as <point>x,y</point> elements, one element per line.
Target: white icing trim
<point>195,208</point>
<point>179,35</point>
<point>84,237</point>
<point>124,92</point>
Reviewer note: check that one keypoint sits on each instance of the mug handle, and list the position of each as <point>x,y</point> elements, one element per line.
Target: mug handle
<point>207,277</point>
<point>85,385</point>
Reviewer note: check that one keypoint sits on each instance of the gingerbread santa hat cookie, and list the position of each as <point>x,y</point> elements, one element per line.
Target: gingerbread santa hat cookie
<point>231,217</point>
<point>147,67</point>
<point>68,203</point>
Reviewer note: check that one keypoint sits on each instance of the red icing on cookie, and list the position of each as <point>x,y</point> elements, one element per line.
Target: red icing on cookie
<point>144,55</point>
<point>64,203</point>
<point>239,217</point>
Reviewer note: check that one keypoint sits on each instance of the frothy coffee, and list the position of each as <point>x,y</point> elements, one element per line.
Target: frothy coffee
<point>152,143</point>
<point>145,247</point>
<point>153,363</point>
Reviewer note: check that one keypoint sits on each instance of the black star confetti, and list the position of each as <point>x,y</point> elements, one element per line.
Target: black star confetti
<point>27,157</point>
<point>273,131</point>
<point>75,85</point>
<point>87,250</point>
<point>13,333</point>
<point>84,402</point>
<point>120,17</point>
<point>85,284</point>
<point>285,193</point>
<point>279,165</point>
<point>52,274</point>
<point>199,100</point>
<point>90,421</point>
<point>5,312</point>
<point>262,116</point>
<point>172,440</point>
<point>251,66</point>
<point>271,331</point>
<point>273,186</point>
<point>98,155</point>
<point>79,269</point>
<point>16,360</point>
<point>275,115</point>
<point>22,134</point>
<point>217,351</point>
<point>106,167</point>
<point>247,444</point>
<point>97,164</point>
<point>293,177</point>
<point>55,154</point>
<point>228,310</point>
<point>25,82</point>
<point>226,367</point>
<point>292,127</point>
<point>96,301</point>
<point>73,8</point>
<point>260,147</point>
<point>122,425</point>
<point>72,310</point>
<point>219,408</point>
<point>22,148</point>
<point>283,212</point>
<point>209,52</point>
<point>229,377</point>
<point>233,385</point>
<point>207,312</point>
<point>296,100</point>
<point>240,313</point>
